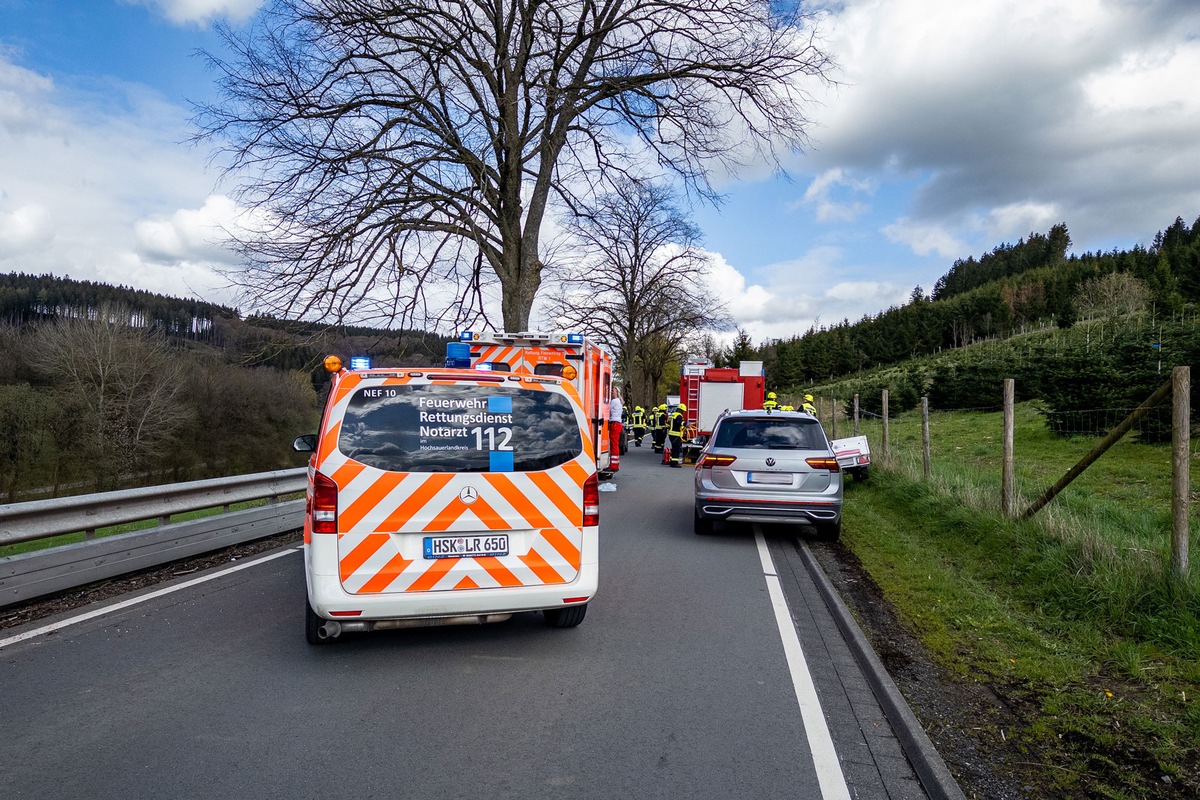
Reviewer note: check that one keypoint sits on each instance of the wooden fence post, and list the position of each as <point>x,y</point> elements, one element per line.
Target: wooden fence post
<point>856,413</point>
<point>1007,482</point>
<point>1181,416</point>
<point>925,433</point>
<point>833,418</point>
<point>885,425</point>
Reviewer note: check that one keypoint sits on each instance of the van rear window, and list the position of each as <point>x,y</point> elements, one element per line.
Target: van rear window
<point>459,428</point>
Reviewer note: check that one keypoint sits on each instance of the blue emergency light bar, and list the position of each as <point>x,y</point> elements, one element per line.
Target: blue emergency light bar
<point>360,362</point>
<point>574,338</point>
<point>458,355</point>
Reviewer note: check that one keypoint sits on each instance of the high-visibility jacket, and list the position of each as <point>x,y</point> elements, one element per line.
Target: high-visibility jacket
<point>770,405</point>
<point>677,424</point>
<point>659,420</point>
<point>637,419</point>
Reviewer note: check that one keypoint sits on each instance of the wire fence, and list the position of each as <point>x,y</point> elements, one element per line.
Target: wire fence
<point>1151,472</point>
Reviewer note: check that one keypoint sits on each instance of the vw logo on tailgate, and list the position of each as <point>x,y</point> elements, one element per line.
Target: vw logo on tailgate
<point>770,463</point>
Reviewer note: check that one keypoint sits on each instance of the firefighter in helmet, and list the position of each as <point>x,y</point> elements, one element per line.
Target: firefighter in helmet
<point>808,406</point>
<point>770,404</point>
<point>675,435</point>
<point>658,427</point>
<point>637,421</point>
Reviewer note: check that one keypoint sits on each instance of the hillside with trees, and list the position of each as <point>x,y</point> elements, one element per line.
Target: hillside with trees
<point>1014,289</point>
<point>105,387</point>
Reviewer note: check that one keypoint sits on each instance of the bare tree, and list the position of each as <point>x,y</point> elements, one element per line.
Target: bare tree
<point>639,283</point>
<point>1111,295</point>
<point>401,156</point>
<point>125,383</point>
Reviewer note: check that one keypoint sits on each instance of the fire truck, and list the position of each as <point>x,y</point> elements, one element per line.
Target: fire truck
<point>707,391</point>
<point>566,355</point>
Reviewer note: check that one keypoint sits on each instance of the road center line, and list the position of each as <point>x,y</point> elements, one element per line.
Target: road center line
<point>99,612</point>
<point>820,742</point>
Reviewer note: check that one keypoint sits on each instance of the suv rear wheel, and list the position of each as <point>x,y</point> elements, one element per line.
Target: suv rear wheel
<point>829,532</point>
<point>701,526</point>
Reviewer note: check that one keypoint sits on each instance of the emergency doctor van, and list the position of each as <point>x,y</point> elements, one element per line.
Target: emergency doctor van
<point>448,496</point>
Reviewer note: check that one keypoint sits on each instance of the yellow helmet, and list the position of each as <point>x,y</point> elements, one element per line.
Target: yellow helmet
<point>638,408</point>
<point>683,406</point>
<point>770,395</point>
<point>808,397</point>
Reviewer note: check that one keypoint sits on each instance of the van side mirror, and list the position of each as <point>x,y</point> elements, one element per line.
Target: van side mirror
<point>305,444</point>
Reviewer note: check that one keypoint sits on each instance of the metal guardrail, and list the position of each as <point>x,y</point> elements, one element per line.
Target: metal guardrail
<point>30,575</point>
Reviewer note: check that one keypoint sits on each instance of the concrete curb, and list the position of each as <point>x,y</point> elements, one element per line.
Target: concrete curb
<point>931,770</point>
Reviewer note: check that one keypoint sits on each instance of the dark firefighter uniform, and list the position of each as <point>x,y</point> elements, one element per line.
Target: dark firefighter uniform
<point>658,427</point>
<point>637,421</point>
<point>675,435</point>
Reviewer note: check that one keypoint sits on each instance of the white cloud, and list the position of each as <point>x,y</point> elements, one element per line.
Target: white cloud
<point>827,194</point>
<point>924,239</point>
<point>96,185</point>
<point>201,12</point>
<point>794,296</point>
<point>24,229</point>
<point>1018,114</point>
<point>190,234</point>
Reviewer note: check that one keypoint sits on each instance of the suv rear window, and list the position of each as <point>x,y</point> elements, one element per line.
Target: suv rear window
<point>770,434</point>
<point>459,428</point>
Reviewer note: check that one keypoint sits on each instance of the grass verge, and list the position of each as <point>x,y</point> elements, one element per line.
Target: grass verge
<point>1096,654</point>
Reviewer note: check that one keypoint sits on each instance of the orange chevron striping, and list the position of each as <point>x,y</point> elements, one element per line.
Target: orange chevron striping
<point>348,385</point>
<point>466,583</point>
<point>498,571</point>
<point>556,495</point>
<point>537,564</point>
<point>361,552</point>
<point>425,490</point>
<point>365,503</point>
<point>565,547</point>
<point>382,579</point>
<point>329,441</point>
<point>347,472</point>
<point>575,472</point>
<point>446,517</point>
<point>519,501</point>
<point>433,574</point>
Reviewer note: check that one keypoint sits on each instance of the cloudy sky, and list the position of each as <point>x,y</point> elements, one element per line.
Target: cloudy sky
<point>956,126</point>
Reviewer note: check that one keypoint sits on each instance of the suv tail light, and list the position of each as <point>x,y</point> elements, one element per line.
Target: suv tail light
<point>830,464</point>
<point>591,500</point>
<point>717,461</point>
<point>324,504</point>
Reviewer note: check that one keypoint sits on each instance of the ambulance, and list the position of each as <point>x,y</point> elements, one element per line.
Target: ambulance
<point>569,355</point>
<point>441,496</point>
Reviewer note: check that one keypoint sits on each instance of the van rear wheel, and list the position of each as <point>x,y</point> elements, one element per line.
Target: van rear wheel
<point>312,626</point>
<point>567,617</point>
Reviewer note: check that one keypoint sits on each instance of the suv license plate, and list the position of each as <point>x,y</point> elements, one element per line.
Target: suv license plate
<point>779,478</point>
<point>495,544</point>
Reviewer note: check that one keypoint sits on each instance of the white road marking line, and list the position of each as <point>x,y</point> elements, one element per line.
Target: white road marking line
<point>99,612</point>
<point>820,742</point>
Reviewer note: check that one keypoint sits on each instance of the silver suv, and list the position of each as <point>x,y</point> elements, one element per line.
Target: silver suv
<point>769,466</point>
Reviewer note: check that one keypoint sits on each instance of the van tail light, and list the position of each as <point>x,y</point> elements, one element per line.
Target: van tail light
<point>591,500</point>
<point>830,464</point>
<point>717,461</point>
<point>324,504</point>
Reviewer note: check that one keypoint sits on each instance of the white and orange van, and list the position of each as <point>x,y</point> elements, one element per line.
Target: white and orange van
<point>448,496</point>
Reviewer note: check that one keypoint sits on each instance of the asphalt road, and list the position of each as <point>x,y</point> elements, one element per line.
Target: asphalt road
<point>708,667</point>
